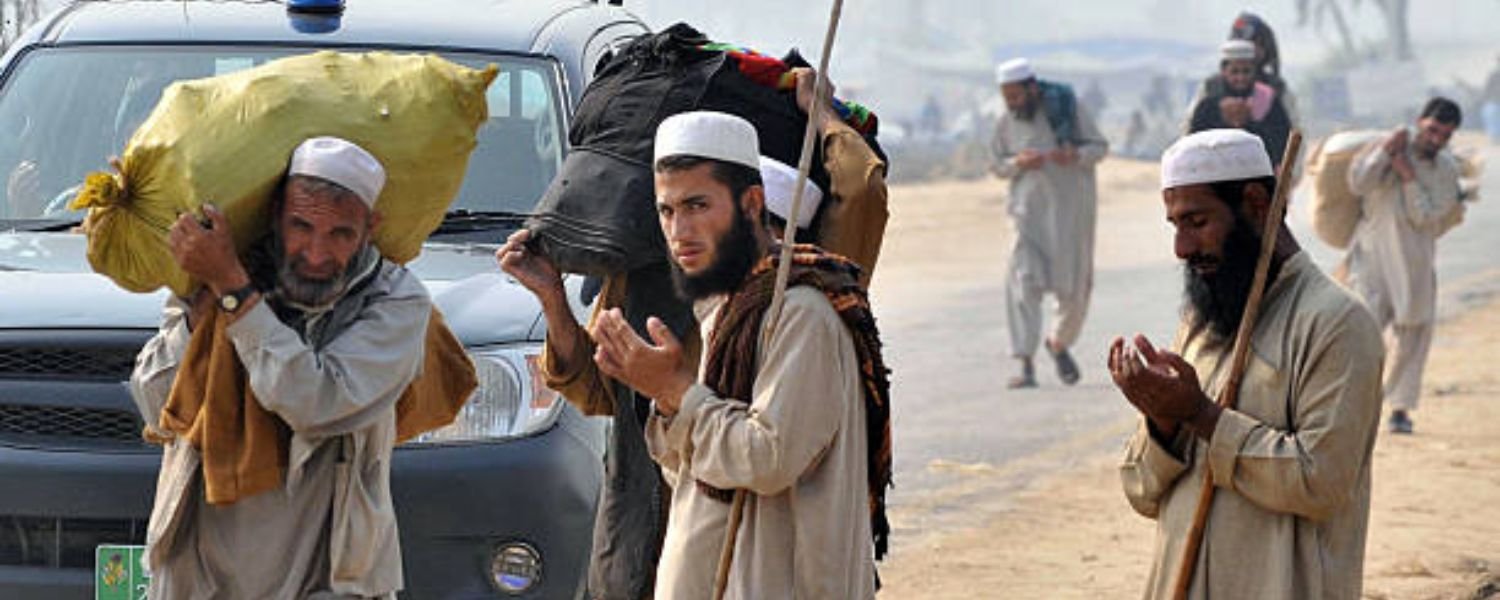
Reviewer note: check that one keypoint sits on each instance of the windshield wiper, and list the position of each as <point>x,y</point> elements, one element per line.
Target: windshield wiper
<point>39,225</point>
<point>465,221</point>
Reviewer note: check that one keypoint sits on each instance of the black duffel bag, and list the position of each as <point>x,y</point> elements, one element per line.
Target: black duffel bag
<point>598,216</point>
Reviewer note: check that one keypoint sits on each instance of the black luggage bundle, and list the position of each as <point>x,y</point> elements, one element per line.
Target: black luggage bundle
<point>598,216</point>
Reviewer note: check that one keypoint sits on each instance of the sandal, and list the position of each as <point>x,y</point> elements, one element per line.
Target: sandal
<point>1067,368</point>
<point>1027,378</point>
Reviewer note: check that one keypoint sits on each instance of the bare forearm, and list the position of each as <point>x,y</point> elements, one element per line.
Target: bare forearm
<point>563,331</point>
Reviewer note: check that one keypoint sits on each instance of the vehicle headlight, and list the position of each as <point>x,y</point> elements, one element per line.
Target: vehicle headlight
<point>515,568</point>
<point>510,401</point>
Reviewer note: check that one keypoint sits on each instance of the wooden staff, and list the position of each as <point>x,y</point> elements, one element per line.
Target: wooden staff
<point>1229,395</point>
<point>783,272</point>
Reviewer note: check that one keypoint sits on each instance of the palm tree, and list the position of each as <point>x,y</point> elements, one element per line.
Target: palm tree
<point>1394,12</point>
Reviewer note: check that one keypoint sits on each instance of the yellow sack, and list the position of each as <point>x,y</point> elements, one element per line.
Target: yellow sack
<point>227,140</point>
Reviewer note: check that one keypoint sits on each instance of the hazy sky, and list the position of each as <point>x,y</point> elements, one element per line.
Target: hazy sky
<point>883,44</point>
<point>778,24</point>
<point>1452,38</point>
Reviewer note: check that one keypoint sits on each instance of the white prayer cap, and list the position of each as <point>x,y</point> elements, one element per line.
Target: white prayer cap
<point>1212,156</point>
<point>780,182</point>
<point>341,162</point>
<point>709,134</point>
<point>1237,50</point>
<point>1014,70</point>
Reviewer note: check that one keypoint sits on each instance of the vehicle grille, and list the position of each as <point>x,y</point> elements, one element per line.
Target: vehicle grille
<point>69,422</point>
<point>61,362</point>
<point>62,543</point>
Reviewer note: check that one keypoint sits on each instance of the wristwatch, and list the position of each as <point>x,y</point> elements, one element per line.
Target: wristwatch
<point>232,301</point>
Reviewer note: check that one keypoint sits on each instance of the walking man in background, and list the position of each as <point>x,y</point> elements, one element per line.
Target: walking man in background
<point>1411,196</point>
<point>1047,145</point>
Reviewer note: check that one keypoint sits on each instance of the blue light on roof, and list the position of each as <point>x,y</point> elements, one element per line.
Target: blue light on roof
<point>315,6</point>
<point>315,16</point>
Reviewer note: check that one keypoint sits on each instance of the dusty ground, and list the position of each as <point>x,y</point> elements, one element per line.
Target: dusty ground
<point>1435,523</point>
<point>1435,526</point>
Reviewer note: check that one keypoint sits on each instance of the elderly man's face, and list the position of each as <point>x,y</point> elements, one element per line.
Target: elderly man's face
<point>322,229</point>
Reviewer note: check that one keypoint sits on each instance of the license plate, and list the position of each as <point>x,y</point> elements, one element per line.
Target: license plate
<point>120,573</point>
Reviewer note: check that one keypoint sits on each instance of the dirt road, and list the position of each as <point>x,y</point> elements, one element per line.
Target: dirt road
<point>1015,495</point>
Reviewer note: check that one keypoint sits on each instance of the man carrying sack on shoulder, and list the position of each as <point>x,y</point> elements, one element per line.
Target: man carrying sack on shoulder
<point>280,390</point>
<point>1411,197</point>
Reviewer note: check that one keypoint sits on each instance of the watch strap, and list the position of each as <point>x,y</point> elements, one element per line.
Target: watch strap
<point>233,300</point>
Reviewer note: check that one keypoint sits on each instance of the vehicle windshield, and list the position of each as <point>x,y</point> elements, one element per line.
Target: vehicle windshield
<point>66,111</point>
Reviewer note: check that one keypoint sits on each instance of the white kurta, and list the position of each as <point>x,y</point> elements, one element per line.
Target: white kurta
<point>798,447</point>
<point>1054,209</point>
<point>1392,263</point>
<point>1291,461</point>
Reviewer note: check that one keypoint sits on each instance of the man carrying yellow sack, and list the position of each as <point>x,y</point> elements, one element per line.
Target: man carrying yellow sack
<point>330,336</point>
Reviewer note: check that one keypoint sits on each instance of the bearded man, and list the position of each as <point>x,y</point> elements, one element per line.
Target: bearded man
<point>631,521</point>
<point>796,417</point>
<point>1292,459</point>
<point>1047,145</point>
<point>329,335</point>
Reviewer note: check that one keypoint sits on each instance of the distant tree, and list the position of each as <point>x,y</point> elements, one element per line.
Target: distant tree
<point>1394,12</point>
<point>15,17</point>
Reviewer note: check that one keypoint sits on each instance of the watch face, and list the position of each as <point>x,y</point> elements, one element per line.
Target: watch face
<point>229,302</point>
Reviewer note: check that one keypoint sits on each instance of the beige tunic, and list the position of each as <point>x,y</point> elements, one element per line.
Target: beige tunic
<point>1292,462</point>
<point>799,447</point>
<point>330,532</point>
<point>1393,260</point>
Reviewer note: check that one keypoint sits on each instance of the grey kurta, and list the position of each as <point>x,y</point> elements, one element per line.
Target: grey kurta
<point>331,530</point>
<point>1392,262</point>
<point>1053,208</point>
<point>1292,462</point>
<point>798,447</point>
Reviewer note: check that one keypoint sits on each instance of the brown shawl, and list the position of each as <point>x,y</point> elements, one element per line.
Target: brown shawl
<point>731,367</point>
<point>244,447</point>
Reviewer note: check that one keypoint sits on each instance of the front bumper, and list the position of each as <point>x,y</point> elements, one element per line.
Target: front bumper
<point>454,505</point>
<point>457,504</point>
<point>58,506</point>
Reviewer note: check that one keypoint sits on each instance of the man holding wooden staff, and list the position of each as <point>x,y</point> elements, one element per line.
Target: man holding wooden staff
<point>798,418</point>
<point>623,565</point>
<point>1291,460</point>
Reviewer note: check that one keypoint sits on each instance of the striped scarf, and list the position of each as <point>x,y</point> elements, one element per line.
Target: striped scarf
<point>731,367</point>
